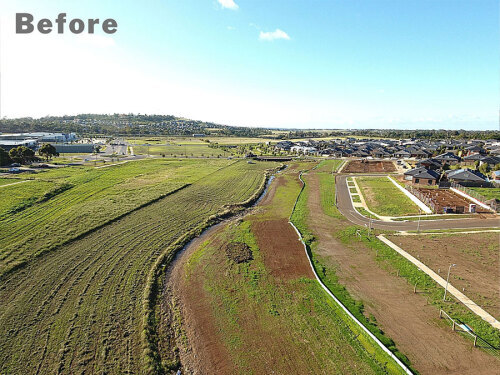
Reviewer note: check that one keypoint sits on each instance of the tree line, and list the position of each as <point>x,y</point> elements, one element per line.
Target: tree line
<point>25,155</point>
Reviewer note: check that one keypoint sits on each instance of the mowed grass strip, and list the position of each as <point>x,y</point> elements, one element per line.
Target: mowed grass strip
<point>15,198</point>
<point>189,150</point>
<point>78,308</point>
<point>384,198</point>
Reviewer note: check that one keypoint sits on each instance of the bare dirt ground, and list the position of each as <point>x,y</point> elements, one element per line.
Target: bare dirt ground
<point>187,307</point>
<point>369,166</point>
<point>404,316</point>
<point>476,258</point>
<point>442,198</point>
<point>284,255</point>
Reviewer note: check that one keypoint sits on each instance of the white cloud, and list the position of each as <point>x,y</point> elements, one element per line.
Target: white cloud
<point>273,35</point>
<point>228,4</point>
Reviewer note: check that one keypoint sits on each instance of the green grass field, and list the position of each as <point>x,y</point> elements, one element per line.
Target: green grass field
<point>196,140</point>
<point>79,307</point>
<point>6,181</point>
<point>95,197</point>
<point>189,150</point>
<point>384,198</point>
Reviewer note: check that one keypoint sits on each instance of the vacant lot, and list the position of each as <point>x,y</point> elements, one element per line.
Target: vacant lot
<point>78,308</point>
<point>476,259</point>
<point>384,198</point>
<point>446,200</point>
<point>369,166</point>
<point>265,315</point>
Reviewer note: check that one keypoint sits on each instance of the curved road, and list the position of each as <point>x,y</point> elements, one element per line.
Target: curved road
<point>344,204</point>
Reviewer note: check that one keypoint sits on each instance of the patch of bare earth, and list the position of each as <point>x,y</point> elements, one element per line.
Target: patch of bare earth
<point>402,315</point>
<point>476,258</point>
<point>369,166</point>
<point>284,256</point>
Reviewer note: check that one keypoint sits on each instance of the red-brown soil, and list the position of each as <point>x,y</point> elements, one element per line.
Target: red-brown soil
<point>446,198</point>
<point>203,352</point>
<point>405,317</point>
<point>369,166</point>
<point>476,259</point>
<point>284,256</point>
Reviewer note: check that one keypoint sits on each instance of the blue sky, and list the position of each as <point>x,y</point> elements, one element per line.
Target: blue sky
<point>309,64</point>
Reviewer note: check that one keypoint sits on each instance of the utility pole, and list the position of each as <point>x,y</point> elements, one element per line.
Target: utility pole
<point>447,281</point>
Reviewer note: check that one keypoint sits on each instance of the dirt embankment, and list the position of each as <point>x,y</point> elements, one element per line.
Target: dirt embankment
<point>404,316</point>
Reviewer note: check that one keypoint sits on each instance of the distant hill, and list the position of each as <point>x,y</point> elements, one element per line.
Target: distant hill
<point>126,124</point>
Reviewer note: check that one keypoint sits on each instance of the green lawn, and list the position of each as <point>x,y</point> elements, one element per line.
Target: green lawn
<point>384,198</point>
<point>488,193</point>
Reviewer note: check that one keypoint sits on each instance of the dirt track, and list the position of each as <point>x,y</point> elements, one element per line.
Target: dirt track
<point>404,316</point>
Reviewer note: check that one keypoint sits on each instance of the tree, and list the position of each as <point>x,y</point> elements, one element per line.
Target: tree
<point>4,157</point>
<point>485,169</point>
<point>22,155</point>
<point>47,151</point>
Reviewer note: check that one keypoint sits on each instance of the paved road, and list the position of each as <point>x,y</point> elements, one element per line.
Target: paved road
<point>346,208</point>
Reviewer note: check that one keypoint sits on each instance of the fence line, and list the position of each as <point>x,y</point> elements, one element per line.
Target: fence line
<point>473,194</point>
<point>464,328</point>
<point>421,196</point>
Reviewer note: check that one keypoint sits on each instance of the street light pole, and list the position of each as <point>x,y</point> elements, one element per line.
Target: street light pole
<point>447,281</point>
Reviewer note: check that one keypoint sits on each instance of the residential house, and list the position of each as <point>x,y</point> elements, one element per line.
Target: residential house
<point>422,176</point>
